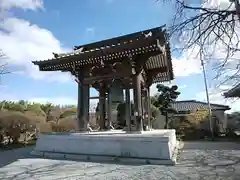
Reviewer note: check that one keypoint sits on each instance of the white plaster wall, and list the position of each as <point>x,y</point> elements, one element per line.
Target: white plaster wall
<point>222,124</point>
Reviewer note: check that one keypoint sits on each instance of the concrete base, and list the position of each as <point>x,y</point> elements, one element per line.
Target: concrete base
<point>147,147</point>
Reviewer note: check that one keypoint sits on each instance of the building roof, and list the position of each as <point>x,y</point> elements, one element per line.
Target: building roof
<point>191,105</point>
<point>234,92</point>
<point>152,45</point>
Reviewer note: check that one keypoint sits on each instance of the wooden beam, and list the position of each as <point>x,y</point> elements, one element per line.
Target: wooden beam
<point>91,80</point>
<point>151,73</point>
<point>94,97</point>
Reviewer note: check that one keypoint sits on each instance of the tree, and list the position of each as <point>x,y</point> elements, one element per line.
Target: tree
<point>13,124</point>
<point>212,29</point>
<point>23,119</point>
<point>165,98</point>
<point>36,108</point>
<point>46,108</point>
<point>154,111</point>
<point>68,112</point>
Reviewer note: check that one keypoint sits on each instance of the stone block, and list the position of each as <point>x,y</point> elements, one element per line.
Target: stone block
<point>77,157</point>
<point>54,155</point>
<point>37,153</point>
<point>104,146</point>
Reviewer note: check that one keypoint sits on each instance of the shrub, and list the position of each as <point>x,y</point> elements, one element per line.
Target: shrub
<point>13,124</point>
<point>45,127</point>
<point>189,127</point>
<point>64,125</point>
<point>69,123</point>
<point>35,108</point>
<point>231,133</point>
<point>67,113</point>
<point>20,120</point>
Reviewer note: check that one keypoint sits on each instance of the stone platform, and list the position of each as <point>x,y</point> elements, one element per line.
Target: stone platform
<point>147,147</point>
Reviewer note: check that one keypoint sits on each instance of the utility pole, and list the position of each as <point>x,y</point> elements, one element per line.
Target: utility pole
<point>207,95</point>
<point>205,82</point>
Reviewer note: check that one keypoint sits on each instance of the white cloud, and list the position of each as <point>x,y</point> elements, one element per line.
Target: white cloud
<point>23,4</point>
<point>182,86</point>
<point>186,65</point>
<point>25,42</point>
<point>90,30</point>
<point>218,4</point>
<point>153,90</point>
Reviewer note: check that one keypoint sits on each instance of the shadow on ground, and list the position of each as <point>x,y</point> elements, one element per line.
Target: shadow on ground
<point>197,160</point>
<point>10,156</point>
<point>211,145</point>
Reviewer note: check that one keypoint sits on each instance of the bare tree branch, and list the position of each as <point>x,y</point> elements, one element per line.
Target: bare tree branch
<point>219,35</point>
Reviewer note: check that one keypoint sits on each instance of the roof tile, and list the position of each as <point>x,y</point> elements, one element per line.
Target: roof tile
<point>192,105</point>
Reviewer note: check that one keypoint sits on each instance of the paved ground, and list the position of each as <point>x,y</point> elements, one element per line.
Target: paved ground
<point>198,160</point>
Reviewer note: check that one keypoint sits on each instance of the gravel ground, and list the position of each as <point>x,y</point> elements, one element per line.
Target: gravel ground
<point>197,160</point>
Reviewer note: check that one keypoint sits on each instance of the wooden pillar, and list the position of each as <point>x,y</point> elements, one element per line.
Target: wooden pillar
<point>83,106</point>
<point>109,106</point>
<point>149,113</point>
<point>143,103</point>
<point>79,108</point>
<point>102,107</point>
<point>138,101</point>
<point>86,94</point>
<point>128,109</point>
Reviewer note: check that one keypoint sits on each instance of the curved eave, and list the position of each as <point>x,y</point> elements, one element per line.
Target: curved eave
<point>161,60</point>
<point>168,75</point>
<point>104,54</point>
<point>116,49</point>
<point>232,93</point>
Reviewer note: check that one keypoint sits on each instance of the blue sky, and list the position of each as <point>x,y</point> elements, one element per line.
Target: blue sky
<point>32,30</point>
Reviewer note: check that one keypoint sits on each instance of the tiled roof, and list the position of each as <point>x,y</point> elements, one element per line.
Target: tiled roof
<point>152,43</point>
<point>234,92</point>
<point>191,105</point>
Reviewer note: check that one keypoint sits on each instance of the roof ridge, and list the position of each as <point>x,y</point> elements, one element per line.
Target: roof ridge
<point>201,102</point>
